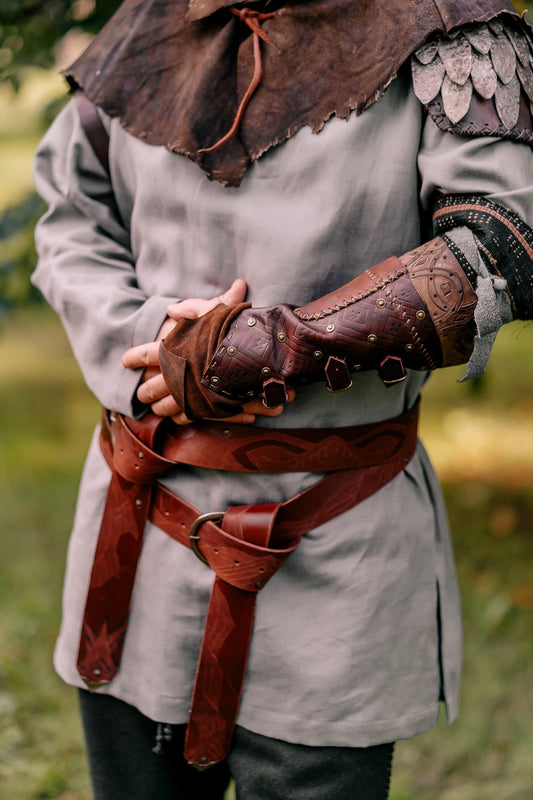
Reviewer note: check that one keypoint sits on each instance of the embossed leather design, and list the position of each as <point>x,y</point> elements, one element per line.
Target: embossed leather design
<point>413,313</point>
<point>448,296</point>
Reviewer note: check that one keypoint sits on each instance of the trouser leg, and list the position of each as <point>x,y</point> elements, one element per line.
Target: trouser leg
<point>269,769</point>
<point>132,758</point>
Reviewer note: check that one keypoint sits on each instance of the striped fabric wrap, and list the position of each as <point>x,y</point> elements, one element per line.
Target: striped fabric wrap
<point>505,242</point>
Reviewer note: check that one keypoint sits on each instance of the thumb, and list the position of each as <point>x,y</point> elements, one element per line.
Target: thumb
<point>235,294</point>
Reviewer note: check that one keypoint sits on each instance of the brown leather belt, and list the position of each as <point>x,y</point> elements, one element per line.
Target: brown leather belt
<point>244,550</point>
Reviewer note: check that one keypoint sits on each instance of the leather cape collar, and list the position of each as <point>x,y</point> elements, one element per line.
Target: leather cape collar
<point>174,74</point>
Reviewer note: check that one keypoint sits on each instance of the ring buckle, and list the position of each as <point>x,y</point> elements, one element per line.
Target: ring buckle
<point>194,539</point>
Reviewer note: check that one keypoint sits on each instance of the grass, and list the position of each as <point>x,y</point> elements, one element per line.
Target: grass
<point>47,418</point>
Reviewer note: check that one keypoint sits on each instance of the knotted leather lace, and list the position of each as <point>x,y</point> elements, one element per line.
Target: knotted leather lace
<point>253,19</point>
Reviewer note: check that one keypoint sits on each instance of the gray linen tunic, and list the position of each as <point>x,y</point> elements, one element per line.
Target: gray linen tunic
<point>347,646</point>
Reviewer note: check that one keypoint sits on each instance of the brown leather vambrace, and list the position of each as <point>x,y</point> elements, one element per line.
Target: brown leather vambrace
<point>414,312</point>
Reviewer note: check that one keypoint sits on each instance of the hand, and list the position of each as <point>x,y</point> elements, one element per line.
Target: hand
<point>153,390</point>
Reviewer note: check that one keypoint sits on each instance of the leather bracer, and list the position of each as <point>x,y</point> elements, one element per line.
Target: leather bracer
<point>413,312</point>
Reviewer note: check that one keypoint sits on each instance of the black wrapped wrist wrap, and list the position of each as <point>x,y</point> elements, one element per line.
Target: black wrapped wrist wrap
<point>505,242</point>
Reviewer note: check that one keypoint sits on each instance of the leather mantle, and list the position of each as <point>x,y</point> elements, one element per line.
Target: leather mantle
<point>177,81</point>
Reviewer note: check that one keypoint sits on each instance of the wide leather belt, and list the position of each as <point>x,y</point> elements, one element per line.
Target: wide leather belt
<point>245,548</point>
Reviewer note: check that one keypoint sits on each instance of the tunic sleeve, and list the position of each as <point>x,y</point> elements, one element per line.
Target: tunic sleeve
<point>86,269</point>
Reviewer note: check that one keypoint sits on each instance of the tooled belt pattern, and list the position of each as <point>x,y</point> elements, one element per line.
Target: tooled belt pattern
<point>244,551</point>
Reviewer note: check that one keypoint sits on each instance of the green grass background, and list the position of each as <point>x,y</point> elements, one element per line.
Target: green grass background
<point>480,436</point>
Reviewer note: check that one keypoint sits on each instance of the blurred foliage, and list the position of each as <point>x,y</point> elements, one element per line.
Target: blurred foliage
<point>30,33</point>
<point>31,29</point>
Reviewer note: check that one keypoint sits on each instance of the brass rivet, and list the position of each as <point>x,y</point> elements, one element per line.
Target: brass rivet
<point>318,354</point>
<point>409,348</point>
<point>97,672</point>
<point>215,381</point>
<point>372,338</point>
<point>226,432</point>
<point>140,455</point>
<point>139,503</point>
<point>231,350</point>
<point>251,322</point>
<point>330,328</point>
<point>381,303</point>
<point>266,372</point>
<point>420,314</point>
<point>281,337</point>
<point>258,585</point>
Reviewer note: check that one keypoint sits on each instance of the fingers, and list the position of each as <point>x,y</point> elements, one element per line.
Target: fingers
<point>257,407</point>
<point>181,419</point>
<point>195,307</point>
<point>235,294</point>
<point>152,389</point>
<point>143,355</point>
<point>167,407</point>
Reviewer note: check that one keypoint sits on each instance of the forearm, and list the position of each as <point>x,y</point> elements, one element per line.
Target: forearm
<point>413,312</point>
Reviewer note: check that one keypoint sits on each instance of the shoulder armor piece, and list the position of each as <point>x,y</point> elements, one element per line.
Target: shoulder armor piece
<point>478,80</point>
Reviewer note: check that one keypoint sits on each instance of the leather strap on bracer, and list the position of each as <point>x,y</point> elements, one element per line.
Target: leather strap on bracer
<point>413,312</point>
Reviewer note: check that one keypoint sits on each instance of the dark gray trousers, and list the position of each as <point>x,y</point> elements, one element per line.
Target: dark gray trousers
<point>134,758</point>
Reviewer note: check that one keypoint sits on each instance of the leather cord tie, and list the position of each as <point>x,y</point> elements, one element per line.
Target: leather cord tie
<point>253,20</point>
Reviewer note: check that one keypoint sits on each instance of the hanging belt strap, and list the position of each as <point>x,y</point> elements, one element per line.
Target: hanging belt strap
<point>244,551</point>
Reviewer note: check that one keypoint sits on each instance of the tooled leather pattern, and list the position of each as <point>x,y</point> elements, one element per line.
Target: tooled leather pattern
<point>448,295</point>
<point>378,314</point>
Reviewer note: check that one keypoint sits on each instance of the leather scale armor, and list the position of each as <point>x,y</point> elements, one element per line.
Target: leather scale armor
<point>478,80</point>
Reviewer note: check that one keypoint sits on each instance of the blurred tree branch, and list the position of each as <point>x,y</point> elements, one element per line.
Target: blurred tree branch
<point>31,32</point>
<point>31,29</point>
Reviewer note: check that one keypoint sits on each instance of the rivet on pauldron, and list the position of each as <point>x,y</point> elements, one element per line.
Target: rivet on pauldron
<point>214,380</point>
<point>318,354</point>
<point>251,322</point>
<point>381,303</point>
<point>330,328</point>
<point>97,672</point>
<point>231,350</point>
<point>140,456</point>
<point>420,314</point>
<point>281,337</point>
<point>409,348</point>
<point>139,503</point>
<point>258,585</point>
<point>372,338</point>
<point>266,372</point>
